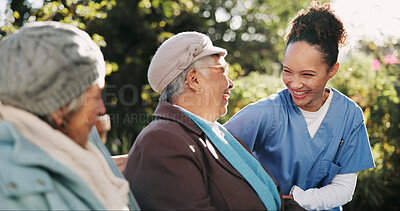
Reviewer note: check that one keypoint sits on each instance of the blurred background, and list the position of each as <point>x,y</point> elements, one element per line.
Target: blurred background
<point>130,31</point>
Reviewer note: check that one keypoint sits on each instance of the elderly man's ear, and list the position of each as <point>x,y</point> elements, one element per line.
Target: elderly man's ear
<point>193,79</point>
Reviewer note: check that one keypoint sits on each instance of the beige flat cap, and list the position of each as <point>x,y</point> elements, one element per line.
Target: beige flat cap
<point>176,54</point>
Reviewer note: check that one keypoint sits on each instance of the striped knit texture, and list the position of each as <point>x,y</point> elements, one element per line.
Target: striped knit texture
<point>45,65</point>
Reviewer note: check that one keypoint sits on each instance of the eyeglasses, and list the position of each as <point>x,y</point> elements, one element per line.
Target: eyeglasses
<point>224,67</point>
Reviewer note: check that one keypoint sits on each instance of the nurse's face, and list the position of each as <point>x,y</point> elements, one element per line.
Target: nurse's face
<point>305,74</point>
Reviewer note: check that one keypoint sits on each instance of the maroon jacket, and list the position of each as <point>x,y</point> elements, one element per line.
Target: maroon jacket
<point>173,165</point>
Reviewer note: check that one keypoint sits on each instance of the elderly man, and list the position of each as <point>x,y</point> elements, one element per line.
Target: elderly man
<point>184,159</point>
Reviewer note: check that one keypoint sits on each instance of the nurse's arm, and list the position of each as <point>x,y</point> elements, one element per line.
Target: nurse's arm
<point>339,192</point>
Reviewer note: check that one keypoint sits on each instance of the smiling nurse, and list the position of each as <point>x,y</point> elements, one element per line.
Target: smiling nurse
<point>312,138</point>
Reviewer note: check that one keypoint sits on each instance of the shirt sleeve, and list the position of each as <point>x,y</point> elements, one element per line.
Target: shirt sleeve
<point>253,124</point>
<point>339,192</point>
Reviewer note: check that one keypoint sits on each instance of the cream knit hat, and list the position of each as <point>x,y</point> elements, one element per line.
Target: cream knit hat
<point>45,65</point>
<point>176,54</point>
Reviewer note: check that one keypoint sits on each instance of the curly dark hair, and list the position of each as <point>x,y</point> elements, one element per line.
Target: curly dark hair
<point>320,27</point>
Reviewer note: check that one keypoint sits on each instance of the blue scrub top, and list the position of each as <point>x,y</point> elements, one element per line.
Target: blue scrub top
<point>276,132</point>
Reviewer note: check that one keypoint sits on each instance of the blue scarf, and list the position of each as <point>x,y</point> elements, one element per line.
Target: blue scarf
<point>244,163</point>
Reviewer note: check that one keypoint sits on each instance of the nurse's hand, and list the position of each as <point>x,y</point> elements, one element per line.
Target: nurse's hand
<point>287,196</point>
<point>120,161</point>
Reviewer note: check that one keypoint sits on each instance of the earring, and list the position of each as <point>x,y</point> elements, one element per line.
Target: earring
<point>200,91</point>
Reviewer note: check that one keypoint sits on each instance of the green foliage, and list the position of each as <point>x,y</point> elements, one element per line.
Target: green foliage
<point>376,91</point>
<point>78,13</point>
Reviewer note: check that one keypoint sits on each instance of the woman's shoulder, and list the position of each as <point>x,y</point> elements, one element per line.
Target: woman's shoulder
<point>345,100</point>
<point>161,128</point>
<point>161,132</point>
<point>264,111</point>
<point>347,106</point>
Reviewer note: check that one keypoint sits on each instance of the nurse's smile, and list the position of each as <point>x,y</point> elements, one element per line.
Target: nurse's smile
<point>300,94</point>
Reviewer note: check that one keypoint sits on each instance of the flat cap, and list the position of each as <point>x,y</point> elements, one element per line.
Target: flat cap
<point>176,54</point>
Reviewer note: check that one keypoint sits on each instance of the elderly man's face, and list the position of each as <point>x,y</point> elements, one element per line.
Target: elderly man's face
<point>81,122</point>
<point>216,87</point>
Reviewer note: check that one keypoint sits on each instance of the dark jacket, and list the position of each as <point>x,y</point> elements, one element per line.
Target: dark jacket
<point>173,165</point>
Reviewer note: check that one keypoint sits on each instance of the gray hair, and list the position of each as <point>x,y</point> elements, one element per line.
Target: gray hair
<point>75,105</point>
<point>177,86</point>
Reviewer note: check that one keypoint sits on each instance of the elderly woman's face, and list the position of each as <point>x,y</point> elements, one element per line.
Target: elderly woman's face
<point>81,122</point>
<point>216,89</point>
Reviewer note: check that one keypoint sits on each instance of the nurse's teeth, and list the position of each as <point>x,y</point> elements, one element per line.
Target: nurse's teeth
<point>301,93</point>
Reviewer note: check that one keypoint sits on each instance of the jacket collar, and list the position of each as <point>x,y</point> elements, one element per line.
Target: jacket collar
<point>166,110</point>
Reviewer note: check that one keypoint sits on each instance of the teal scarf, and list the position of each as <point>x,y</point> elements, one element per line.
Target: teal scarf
<point>244,163</point>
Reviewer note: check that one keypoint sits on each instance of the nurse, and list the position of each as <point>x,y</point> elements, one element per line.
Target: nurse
<point>312,138</point>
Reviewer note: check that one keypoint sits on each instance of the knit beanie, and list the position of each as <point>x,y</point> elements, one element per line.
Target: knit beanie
<point>45,65</point>
<point>176,54</point>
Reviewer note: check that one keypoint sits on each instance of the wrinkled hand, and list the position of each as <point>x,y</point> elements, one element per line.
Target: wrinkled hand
<point>120,161</point>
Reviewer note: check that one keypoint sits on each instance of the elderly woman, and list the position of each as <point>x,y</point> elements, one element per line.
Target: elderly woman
<point>51,78</point>
<point>185,159</point>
